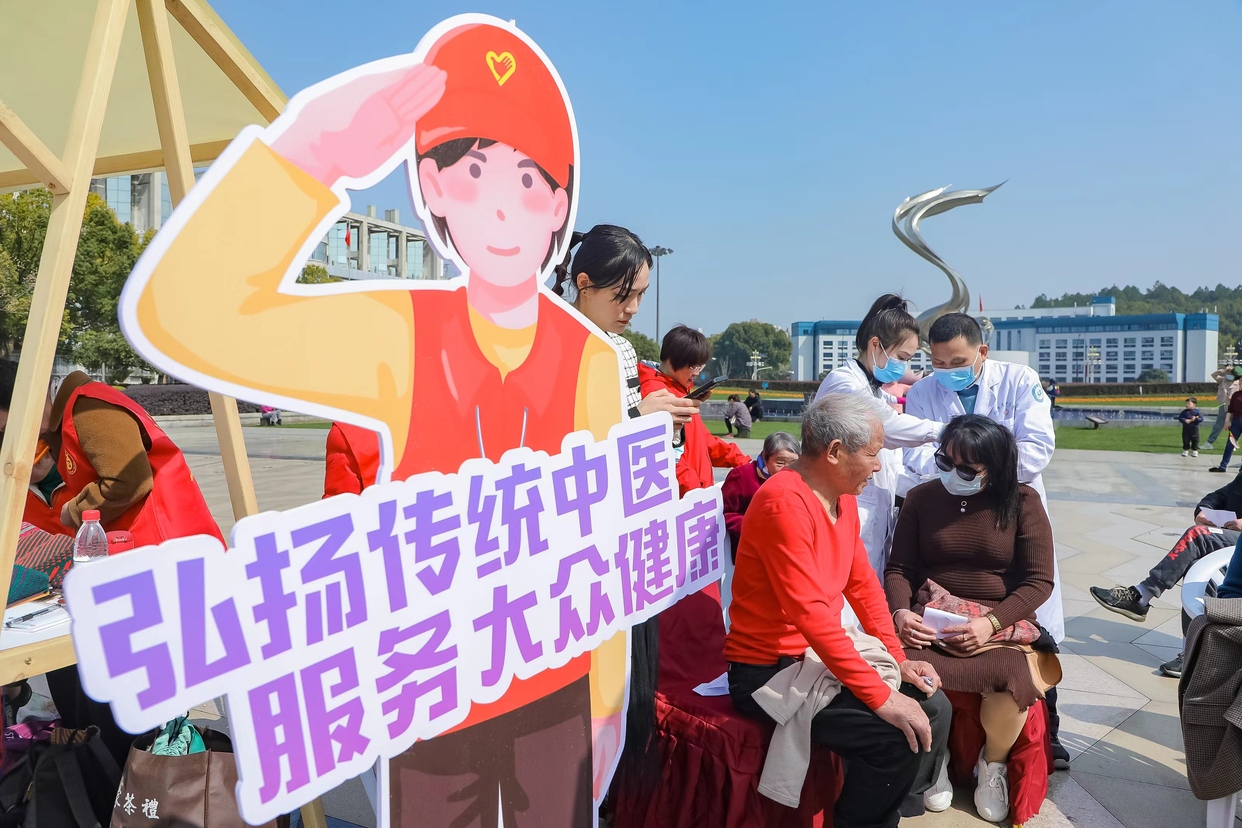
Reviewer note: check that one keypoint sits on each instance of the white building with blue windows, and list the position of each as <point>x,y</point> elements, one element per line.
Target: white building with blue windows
<point>1079,344</point>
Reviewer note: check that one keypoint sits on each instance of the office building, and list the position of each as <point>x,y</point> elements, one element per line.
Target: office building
<point>359,246</point>
<point>1081,344</point>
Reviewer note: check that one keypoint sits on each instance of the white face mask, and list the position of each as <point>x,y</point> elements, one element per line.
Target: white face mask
<point>958,487</point>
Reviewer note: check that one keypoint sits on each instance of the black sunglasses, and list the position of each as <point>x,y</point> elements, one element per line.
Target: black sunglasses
<point>945,464</point>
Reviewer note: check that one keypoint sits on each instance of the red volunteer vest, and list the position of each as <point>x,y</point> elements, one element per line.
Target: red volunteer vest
<point>352,460</point>
<point>47,515</point>
<point>175,508</point>
<point>463,409</point>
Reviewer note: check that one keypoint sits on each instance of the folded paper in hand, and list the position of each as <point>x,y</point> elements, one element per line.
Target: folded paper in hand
<point>939,620</point>
<point>1218,517</point>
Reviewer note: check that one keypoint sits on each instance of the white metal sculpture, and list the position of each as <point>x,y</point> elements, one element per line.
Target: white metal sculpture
<point>906,227</point>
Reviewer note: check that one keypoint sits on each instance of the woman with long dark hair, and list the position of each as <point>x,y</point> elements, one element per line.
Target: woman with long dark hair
<point>606,281</point>
<point>979,536</point>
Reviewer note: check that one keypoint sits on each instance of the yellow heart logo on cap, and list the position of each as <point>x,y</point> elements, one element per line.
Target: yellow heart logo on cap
<point>502,65</point>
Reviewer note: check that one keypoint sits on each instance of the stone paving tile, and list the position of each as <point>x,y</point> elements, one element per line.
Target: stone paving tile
<point>1146,747</point>
<point>1087,717</point>
<point>1143,805</point>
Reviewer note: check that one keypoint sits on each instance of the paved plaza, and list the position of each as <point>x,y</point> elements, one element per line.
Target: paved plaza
<point>1114,515</point>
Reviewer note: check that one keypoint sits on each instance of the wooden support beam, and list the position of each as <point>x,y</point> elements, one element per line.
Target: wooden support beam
<point>175,144</point>
<point>21,663</point>
<point>52,283</point>
<point>32,152</point>
<point>221,50</point>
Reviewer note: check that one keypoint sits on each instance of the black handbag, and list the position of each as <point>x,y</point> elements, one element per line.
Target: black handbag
<point>68,782</point>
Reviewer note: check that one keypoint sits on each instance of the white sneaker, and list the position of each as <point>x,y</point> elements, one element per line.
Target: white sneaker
<point>939,796</point>
<point>992,790</point>
<point>1194,454</point>
<point>1187,454</point>
<point>1208,446</point>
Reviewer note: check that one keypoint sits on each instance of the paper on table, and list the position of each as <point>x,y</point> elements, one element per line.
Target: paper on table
<point>718,686</point>
<point>938,620</point>
<point>1218,517</point>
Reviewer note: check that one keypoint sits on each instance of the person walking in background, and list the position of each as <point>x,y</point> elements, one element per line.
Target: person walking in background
<point>1227,385</point>
<point>1190,418</point>
<point>1233,425</point>
<point>754,404</point>
<point>737,416</point>
<point>1054,391</point>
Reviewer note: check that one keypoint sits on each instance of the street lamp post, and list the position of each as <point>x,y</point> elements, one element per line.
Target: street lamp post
<point>658,253</point>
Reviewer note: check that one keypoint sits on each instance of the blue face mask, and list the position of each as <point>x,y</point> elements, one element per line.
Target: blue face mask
<point>958,487</point>
<point>893,370</point>
<point>957,379</point>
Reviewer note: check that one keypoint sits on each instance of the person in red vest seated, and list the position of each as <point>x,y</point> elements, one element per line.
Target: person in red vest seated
<point>113,458</point>
<point>683,356</point>
<point>352,460</point>
<point>47,493</point>
<point>779,450</point>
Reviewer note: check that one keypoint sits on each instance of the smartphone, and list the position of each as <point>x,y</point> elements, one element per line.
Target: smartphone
<point>700,392</point>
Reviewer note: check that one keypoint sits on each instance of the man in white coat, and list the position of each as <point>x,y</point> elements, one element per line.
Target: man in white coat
<point>967,382</point>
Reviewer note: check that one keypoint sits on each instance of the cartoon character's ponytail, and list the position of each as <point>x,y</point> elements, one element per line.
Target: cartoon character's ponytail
<point>562,269</point>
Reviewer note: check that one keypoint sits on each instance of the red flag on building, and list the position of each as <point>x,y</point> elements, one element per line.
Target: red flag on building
<point>980,301</point>
<point>347,243</point>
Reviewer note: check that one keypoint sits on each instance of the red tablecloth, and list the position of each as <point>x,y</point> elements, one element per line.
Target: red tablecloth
<point>1030,761</point>
<point>713,756</point>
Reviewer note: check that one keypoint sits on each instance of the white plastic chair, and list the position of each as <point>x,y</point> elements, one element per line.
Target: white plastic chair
<point>1210,569</point>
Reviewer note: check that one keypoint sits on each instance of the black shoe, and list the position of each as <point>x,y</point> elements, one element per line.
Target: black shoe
<point>1060,756</point>
<point>1217,469</point>
<point>912,806</point>
<point>1172,669</point>
<point>1122,600</point>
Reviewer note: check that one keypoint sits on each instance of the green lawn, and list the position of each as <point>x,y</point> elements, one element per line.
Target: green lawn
<point>761,429</point>
<point>1149,439</point>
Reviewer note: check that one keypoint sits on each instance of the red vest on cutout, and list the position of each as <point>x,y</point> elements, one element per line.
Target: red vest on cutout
<point>175,508</point>
<point>352,460</point>
<point>463,409</point>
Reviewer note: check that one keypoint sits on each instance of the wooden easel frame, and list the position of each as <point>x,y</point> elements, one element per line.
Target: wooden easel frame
<point>69,179</point>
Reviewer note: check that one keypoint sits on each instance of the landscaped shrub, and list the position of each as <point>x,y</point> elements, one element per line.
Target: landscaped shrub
<point>175,400</point>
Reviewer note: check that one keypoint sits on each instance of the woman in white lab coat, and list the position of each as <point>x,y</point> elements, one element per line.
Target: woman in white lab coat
<point>887,338</point>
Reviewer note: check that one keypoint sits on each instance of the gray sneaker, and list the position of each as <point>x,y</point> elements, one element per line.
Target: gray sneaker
<point>1121,600</point>
<point>1172,669</point>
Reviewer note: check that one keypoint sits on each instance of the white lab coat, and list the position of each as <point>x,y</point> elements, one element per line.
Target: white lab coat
<point>877,512</point>
<point>1011,395</point>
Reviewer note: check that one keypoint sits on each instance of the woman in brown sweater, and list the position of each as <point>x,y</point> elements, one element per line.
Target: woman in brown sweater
<point>984,537</point>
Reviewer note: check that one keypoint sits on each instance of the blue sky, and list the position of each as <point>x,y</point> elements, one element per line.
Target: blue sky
<point>769,149</point>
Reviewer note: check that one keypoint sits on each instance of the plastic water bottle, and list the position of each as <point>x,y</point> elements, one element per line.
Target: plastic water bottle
<point>91,542</point>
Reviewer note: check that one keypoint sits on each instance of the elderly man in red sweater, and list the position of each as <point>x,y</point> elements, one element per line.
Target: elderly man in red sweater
<point>683,355</point>
<point>799,561</point>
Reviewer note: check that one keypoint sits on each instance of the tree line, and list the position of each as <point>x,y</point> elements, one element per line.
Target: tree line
<point>732,350</point>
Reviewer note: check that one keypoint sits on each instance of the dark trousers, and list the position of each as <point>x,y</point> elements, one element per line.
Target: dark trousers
<point>1235,428</point>
<point>1195,543</point>
<point>1190,437</point>
<point>880,768</point>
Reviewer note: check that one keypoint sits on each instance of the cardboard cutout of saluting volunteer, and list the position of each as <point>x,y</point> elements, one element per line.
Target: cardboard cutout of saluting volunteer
<point>444,372</point>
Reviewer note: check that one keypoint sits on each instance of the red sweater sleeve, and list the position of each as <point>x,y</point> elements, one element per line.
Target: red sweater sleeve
<point>724,454</point>
<point>341,473</point>
<point>789,560</point>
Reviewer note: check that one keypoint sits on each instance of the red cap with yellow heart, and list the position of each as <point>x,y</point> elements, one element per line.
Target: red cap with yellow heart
<point>501,89</point>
